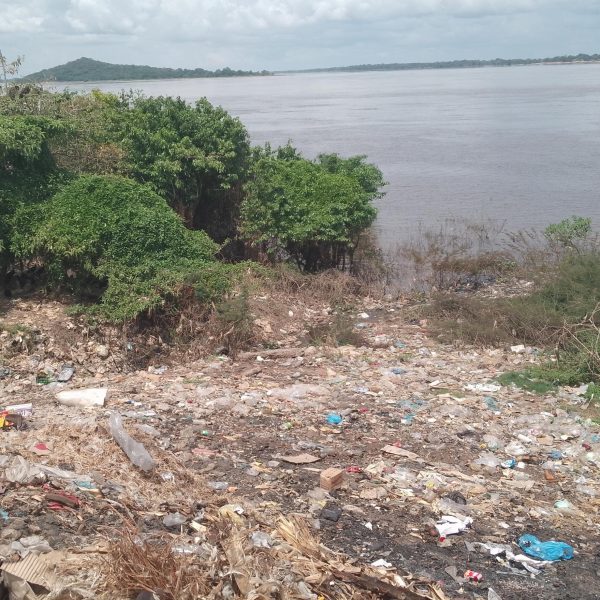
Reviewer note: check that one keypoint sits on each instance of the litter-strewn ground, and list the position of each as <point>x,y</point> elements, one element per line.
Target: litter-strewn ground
<point>239,447</point>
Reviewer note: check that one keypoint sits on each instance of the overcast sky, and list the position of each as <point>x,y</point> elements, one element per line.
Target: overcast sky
<point>290,34</point>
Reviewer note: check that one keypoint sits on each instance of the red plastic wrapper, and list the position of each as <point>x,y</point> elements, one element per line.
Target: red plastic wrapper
<point>473,576</point>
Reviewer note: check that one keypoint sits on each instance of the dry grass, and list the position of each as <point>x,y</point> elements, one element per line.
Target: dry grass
<point>134,565</point>
<point>230,566</point>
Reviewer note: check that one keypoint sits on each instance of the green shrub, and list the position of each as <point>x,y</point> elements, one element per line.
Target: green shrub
<point>299,209</point>
<point>118,241</point>
<point>569,231</point>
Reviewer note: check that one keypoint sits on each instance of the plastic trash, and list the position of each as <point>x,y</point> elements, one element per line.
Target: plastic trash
<point>25,410</point>
<point>66,372</point>
<point>515,449</point>
<point>135,451</point>
<point>260,539</point>
<point>174,520</point>
<point>550,550</point>
<point>564,506</point>
<point>21,471</point>
<point>511,463</point>
<point>450,525</point>
<point>487,459</point>
<point>473,576</point>
<point>33,544</point>
<point>381,563</point>
<point>83,398</point>
<point>483,388</point>
<point>491,403</point>
<point>492,442</point>
<point>334,419</point>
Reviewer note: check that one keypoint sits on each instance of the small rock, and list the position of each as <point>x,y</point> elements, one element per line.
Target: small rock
<point>331,513</point>
<point>102,351</point>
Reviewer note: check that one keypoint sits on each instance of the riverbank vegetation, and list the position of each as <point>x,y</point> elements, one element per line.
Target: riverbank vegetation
<point>134,205</point>
<point>549,295</point>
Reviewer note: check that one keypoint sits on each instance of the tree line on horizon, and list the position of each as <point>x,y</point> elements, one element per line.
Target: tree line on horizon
<point>457,64</point>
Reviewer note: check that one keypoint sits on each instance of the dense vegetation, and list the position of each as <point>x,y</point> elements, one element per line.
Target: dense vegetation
<point>459,64</point>
<point>88,69</point>
<point>133,204</point>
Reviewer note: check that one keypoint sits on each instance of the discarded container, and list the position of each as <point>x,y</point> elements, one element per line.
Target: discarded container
<point>334,419</point>
<point>473,576</point>
<point>550,550</point>
<point>9,420</point>
<point>136,452</point>
<point>83,398</point>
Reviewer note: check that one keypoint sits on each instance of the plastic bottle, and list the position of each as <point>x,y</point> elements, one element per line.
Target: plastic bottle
<point>135,451</point>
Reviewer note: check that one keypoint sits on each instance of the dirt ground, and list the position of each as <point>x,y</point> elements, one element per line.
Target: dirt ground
<point>424,430</point>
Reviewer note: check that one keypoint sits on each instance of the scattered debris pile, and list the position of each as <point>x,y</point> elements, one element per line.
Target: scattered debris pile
<point>396,469</point>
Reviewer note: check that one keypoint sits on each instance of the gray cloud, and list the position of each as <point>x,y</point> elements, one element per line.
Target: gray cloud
<point>277,34</point>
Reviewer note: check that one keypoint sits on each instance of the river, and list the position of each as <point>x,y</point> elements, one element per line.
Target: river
<point>519,146</point>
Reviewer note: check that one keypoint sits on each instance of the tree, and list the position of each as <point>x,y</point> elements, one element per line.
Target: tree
<point>195,156</point>
<point>9,68</point>
<point>298,208</point>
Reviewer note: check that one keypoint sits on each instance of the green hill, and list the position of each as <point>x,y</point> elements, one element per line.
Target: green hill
<point>88,69</point>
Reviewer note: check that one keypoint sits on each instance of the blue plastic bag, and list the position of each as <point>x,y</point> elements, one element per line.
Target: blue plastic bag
<point>545,550</point>
<point>334,419</point>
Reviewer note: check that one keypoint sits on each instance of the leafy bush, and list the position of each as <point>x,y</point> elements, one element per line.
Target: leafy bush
<point>569,231</point>
<point>194,156</point>
<point>298,208</point>
<point>114,239</point>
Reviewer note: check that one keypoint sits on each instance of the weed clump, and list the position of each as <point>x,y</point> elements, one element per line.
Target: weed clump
<point>339,332</point>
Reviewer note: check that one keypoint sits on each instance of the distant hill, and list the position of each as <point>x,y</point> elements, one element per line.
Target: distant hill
<point>458,64</point>
<point>88,69</point>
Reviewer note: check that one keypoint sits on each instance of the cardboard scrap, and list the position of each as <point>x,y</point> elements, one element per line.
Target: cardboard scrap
<point>331,479</point>
<point>30,578</point>
<point>301,459</point>
<point>400,452</point>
